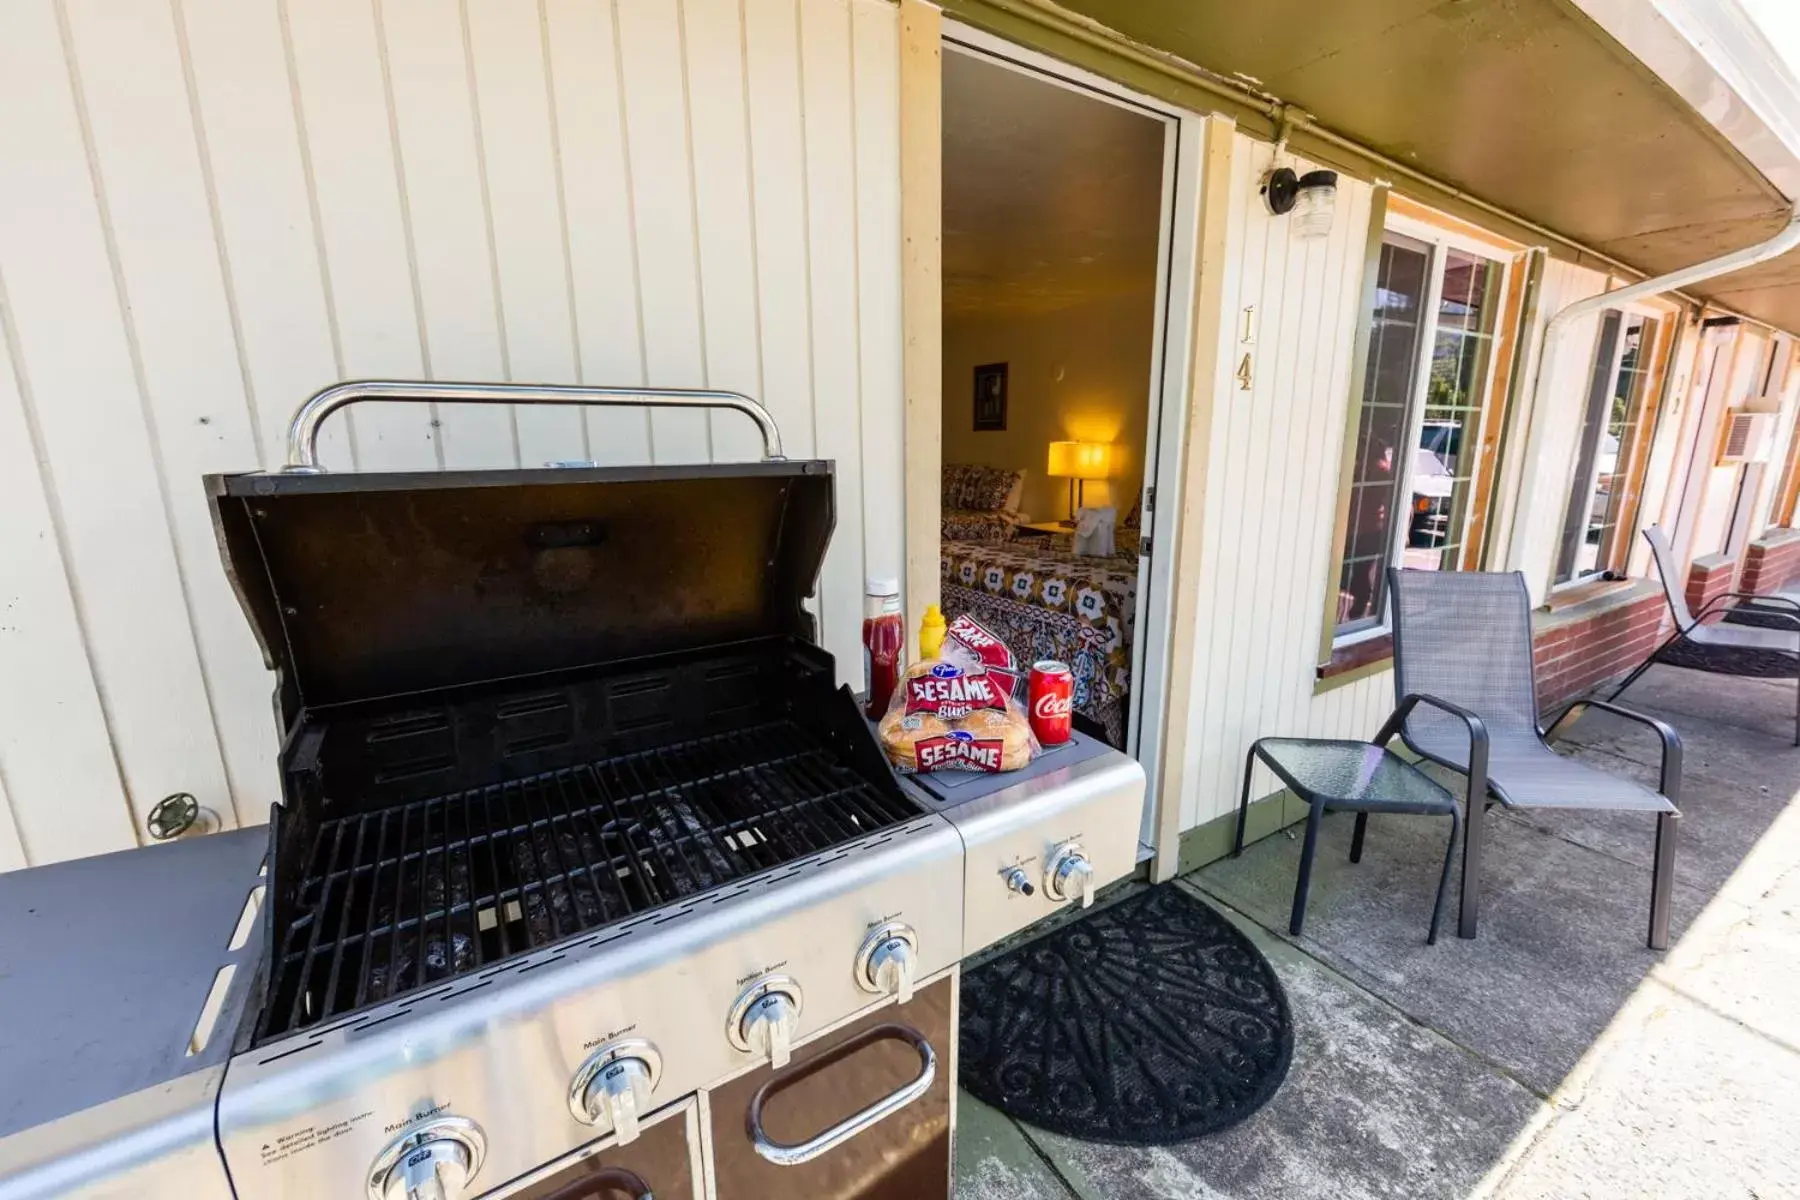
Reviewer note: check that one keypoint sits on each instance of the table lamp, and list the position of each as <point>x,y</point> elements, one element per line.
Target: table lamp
<point>1079,462</point>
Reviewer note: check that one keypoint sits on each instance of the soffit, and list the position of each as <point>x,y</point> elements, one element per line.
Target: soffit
<point>1524,103</point>
<point>1051,196</point>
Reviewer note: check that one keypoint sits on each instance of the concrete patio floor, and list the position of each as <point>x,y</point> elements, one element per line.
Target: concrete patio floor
<point>1552,1058</point>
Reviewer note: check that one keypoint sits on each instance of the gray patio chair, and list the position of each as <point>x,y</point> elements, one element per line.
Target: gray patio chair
<point>1768,650</point>
<point>1467,700</point>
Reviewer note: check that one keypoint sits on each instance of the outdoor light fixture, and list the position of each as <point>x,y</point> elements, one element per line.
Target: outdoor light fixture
<point>1309,197</point>
<point>1079,462</point>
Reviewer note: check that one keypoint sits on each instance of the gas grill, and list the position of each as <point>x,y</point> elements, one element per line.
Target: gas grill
<point>589,878</point>
<point>388,901</point>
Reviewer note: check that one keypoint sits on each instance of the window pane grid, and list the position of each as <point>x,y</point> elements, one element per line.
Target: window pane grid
<point>1379,466</point>
<point>1412,482</point>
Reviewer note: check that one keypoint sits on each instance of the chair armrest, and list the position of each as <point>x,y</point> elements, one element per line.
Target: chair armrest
<point>1671,741</point>
<point>1712,605</point>
<point>1478,734</point>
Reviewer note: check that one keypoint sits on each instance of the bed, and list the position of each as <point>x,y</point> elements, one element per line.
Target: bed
<point>1045,601</point>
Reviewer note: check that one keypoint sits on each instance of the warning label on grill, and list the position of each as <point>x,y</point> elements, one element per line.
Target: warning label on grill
<point>286,1145</point>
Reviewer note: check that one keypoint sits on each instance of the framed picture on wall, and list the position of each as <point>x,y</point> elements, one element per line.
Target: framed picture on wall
<point>990,398</point>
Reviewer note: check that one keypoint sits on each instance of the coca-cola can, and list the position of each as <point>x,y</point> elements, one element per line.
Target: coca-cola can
<point>1052,698</point>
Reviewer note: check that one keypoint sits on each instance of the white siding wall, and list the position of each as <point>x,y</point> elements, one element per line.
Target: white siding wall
<point>1550,426</point>
<point>1271,494</point>
<point>215,207</point>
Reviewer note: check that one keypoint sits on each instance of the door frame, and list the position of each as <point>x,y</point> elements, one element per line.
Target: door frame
<point>1167,416</point>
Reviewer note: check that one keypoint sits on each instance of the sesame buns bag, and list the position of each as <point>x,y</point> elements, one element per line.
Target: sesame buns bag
<point>946,716</point>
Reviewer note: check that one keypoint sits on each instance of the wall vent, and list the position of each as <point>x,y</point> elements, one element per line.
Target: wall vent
<point>1746,437</point>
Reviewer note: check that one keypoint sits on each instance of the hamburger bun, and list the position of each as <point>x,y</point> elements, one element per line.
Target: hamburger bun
<point>901,732</point>
<point>1010,727</point>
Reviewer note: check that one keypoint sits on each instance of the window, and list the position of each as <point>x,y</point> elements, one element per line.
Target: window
<point>1418,431</point>
<point>1608,456</point>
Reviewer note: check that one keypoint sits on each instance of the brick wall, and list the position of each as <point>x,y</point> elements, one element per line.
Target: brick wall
<point>1596,641</point>
<point>1708,579</point>
<point>1771,561</point>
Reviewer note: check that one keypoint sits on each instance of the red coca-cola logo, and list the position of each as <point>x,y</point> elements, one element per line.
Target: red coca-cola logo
<point>1050,706</point>
<point>950,694</point>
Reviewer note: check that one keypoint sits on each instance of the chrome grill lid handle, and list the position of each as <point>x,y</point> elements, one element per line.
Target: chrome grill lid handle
<point>303,430</point>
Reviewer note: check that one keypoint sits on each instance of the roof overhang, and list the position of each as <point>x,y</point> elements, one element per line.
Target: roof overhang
<point>1656,132</point>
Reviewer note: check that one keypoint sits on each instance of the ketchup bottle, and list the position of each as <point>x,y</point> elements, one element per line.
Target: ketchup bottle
<point>884,642</point>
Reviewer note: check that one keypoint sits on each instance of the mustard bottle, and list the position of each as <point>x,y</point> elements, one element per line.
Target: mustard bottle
<point>931,632</point>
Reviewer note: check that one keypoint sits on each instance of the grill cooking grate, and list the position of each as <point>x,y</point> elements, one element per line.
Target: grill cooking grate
<point>395,900</point>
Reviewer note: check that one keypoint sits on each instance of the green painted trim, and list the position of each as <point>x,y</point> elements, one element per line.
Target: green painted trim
<point>1354,674</point>
<point>1359,365</point>
<point>1212,841</point>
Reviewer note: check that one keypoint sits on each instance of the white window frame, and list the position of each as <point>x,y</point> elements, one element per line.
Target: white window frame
<point>1439,240</point>
<point>1664,331</point>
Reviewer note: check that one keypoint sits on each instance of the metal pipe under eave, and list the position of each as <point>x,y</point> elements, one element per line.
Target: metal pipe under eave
<point>1556,330</point>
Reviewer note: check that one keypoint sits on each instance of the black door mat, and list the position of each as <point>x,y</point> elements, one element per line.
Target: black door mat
<point>1149,1021</point>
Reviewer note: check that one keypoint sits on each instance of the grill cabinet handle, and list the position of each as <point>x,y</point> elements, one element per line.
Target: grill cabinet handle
<point>303,430</point>
<point>803,1152</point>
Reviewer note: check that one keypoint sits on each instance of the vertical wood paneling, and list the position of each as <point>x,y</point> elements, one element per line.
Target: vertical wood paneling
<point>831,235</point>
<point>193,389</point>
<point>253,154</point>
<point>525,196</point>
<point>603,264</point>
<point>1207,767</point>
<point>724,224</point>
<point>76,362</point>
<point>53,736</point>
<point>218,208</point>
<point>1307,523</point>
<point>656,128</point>
<point>875,36</point>
<point>778,194</point>
<point>12,850</point>
<point>440,161</point>
<point>1272,494</point>
<point>339,72</point>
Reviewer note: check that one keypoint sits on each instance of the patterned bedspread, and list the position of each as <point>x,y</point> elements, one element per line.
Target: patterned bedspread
<point>1046,602</point>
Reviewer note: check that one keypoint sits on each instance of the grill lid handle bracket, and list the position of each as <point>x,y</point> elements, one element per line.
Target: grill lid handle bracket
<point>303,430</point>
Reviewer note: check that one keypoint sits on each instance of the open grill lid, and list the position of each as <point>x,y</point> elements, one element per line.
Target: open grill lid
<point>362,586</point>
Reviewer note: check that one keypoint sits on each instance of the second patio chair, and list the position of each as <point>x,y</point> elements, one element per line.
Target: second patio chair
<point>1467,699</point>
<point>1771,651</point>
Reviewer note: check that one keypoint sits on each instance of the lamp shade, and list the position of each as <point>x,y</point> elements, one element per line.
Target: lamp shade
<point>1080,460</point>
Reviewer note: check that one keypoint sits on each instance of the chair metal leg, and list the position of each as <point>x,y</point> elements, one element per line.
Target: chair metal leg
<point>1356,838</point>
<point>1304,883</point>
<point>1662,886</point>
<point>1642,667</point>
<point>1469,910</point>
<point>1437,907</point>
<point>1237,848</point>
<point>1797,710</point>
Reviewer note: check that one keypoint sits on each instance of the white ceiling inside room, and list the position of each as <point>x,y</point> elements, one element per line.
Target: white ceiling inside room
<point>1051,196</point>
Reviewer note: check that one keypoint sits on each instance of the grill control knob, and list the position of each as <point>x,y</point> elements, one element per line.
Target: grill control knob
<point>1017,881</point>
<point>1070,875</point>
<point>612,1088</point>
<point>434,1160</point>
<point>765,1019</point>
<point>888,961</point>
